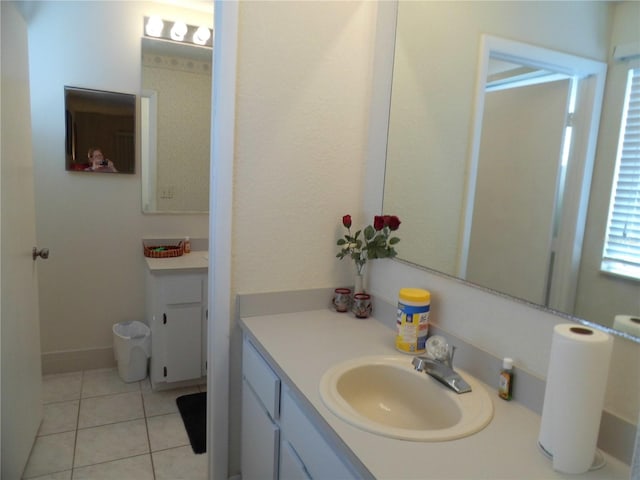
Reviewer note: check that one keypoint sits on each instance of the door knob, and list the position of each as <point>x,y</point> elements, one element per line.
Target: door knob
<point>43,253</point>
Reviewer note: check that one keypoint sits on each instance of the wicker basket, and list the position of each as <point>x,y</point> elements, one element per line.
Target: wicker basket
<point>163,251</point>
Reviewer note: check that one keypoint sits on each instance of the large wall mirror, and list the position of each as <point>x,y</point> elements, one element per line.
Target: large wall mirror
<point>99,131</point>
<point>492,144</point>
<point>175,126</point>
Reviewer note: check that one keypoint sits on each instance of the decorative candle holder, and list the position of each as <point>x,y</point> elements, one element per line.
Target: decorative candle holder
<point>342,299</point>
<point>362,305</point>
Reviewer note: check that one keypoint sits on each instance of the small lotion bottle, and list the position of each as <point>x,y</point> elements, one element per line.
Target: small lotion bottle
<point>505,385</point>
<point>187,245</point>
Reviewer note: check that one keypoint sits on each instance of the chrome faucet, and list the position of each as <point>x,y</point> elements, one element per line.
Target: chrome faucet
<point>440,366</point>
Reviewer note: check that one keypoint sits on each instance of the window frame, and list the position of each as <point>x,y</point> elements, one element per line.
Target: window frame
<point>614,261</point>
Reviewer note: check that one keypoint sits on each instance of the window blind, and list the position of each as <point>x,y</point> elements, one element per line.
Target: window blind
<point>622,245</point>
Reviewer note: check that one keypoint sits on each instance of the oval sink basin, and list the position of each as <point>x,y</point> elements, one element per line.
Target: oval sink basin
<point>386,396</point>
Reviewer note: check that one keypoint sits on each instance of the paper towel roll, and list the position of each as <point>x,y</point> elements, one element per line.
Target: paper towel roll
<point>628,324</point>
<point>574,396</point>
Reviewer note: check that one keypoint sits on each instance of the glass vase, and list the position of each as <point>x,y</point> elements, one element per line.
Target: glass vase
<point>360,281</point>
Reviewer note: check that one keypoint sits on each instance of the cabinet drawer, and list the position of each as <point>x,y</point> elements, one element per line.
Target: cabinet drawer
<point>318,457</point>
<point>181,289</point>
<point>264,382</point>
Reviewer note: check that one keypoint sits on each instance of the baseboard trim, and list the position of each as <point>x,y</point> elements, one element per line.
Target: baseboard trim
<point>73,360</point>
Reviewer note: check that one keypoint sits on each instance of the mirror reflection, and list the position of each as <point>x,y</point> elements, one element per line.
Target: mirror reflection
<point>175,126</point>
<point>521,142</point>
<point>492,177</point>
<point>524,218</point>
<point>99,131</point>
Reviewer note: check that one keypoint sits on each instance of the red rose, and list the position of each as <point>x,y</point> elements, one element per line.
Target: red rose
<point>393,223</point>
<point>346,221</point>
<point>386,220</point>
<point>378,222</point>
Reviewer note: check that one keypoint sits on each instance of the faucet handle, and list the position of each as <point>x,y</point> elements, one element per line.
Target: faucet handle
<point>438,348</point>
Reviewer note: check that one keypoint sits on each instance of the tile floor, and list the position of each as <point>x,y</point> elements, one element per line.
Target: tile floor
<point>96,426</point>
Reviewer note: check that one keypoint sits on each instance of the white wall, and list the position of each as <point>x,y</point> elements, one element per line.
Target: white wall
<point>304,72</point>
<point>92,223</point>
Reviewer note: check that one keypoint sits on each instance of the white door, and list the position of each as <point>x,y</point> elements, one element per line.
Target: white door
<point>21,382</point>
<point>513,214</point>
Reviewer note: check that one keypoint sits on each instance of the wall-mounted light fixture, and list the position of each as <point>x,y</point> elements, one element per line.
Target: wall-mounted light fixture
<point>177,31</point>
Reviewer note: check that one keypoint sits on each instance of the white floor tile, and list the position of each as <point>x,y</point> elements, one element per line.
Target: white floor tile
<point>106,409</point>
<point>145,385</point>
<point>164,401</point>
<point>105,382</point>
<point>66,475</point>
<point>167,431</point>
<point>134,468</point>
<point>61,387</point>
<point>179,464</point>
<point>59,417</point>
<point>50,454</point>
<point>95,423</point>
<point>111,442</point>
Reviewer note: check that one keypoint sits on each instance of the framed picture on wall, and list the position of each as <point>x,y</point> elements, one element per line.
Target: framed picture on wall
<point>99,131</point>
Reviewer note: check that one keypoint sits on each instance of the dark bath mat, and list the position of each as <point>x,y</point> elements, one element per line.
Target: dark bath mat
<point>193,409</point>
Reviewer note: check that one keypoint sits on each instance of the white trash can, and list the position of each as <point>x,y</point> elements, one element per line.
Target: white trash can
<point>132,349</point>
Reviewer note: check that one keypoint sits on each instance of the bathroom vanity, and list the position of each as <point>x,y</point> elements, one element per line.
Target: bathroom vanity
<point>278,440</point>
<point>176,311</point>
<point>288,431</point>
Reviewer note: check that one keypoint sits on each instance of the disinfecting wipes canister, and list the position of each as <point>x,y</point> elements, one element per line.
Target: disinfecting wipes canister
<point>413,320</point>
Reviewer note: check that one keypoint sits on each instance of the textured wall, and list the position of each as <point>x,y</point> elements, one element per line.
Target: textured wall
<point>302,105</point>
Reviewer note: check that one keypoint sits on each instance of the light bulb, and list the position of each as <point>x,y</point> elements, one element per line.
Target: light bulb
<point>201,36</point>
<point>178,31</point>
<point>154,26</point>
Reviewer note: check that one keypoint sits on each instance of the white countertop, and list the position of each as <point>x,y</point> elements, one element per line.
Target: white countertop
<point>198,260</point>
<point>304,345</point>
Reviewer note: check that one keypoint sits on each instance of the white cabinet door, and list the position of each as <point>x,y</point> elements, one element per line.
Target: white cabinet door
<point>204,334</point>
<point>264,382</point>
<point>182,326</point>
<point>205,324</point>
<point>260,439</point>
<point>176,304</point>
<point>291,467</point>
<point>319,459</point>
